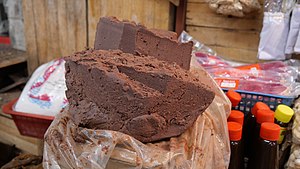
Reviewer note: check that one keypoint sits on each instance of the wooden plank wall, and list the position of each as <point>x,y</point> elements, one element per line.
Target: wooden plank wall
<point>55,28</point>
<point>152,13</point>
<point>233,38</point>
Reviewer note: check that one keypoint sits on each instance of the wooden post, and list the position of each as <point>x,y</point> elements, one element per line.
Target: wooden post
<point>180,16</point>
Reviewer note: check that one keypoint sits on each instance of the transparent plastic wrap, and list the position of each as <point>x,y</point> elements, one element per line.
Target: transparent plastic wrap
<point>264,81</point>
<point>295,64</point>
<point>275,77</point>
<point>294,159</point>
<point>209,61</point>
<point>198,46</point>
<point>296,125</point>
<point>254,75</point>
<point>205,145</point>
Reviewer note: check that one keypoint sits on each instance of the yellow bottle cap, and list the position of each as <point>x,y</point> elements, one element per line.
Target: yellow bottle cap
<point>284,113</point>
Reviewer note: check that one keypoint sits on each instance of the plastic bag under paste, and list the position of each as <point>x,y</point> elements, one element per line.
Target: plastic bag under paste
<point>205,145</point>
<point>44,93</point>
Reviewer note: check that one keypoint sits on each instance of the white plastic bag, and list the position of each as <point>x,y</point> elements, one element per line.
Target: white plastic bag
<point>273,36</point>
<point>294,32</point>
<point>44,93</point>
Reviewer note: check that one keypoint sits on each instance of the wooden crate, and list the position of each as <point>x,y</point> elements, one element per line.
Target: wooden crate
<point>9,134</point>
<point>55,28</point>
<point>233,38</point>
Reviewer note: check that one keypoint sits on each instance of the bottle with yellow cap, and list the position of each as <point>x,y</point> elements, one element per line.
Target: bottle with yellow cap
<point>283,115</point>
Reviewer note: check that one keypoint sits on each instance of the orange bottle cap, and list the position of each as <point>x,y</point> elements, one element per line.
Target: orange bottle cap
<point>236,116</point>
<point>234,97</point>
<point>235,131</point>
<point>258,106</point>
<point>264,116</point>
<point>269,131</point>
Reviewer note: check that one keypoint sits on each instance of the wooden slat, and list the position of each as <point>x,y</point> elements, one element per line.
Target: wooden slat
<point>163,17</point>
<point>55,28</point>
<point>76,25</point>
<point>80,25</point>
<point>225,38</point>
<point>152,13</point>
<point>39,10</point>
<point>9,134</point>
<point>62,27</point>
<point>198,14</point>
<point>233,38</point>
<point>72,28</point>
<point>12,61</point>
<point>236,54</point>
<point>30,35</point>
<point>53,48</point>
<point>93,18</point>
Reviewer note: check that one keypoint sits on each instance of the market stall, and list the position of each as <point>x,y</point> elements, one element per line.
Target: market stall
<point>155,84</point>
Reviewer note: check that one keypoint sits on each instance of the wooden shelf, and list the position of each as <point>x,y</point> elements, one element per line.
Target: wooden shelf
<point>10,56</point>
<point>9,134</point>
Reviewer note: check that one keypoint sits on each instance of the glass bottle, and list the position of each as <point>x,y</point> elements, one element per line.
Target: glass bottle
<point>283,115</point>
<point>266,149</point>
<point>235,136</point>
<point>249,127</point>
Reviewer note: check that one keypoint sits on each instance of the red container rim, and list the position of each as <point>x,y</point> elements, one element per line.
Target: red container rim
<point>7,109</point>
<point>4,40</point>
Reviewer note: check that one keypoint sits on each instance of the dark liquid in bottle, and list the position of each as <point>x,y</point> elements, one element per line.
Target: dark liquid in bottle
<point>249,127</point>
<point>236,157</point>
<point>265,156</point>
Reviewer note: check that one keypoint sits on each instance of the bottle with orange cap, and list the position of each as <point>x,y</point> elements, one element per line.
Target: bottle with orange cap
<point>234,97</point>
<point>235,136</point>
<point>262,116</point>
<point>251,118</point>
<point>250,123</point>
<point>236,116</point>
<point>266,149</point>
